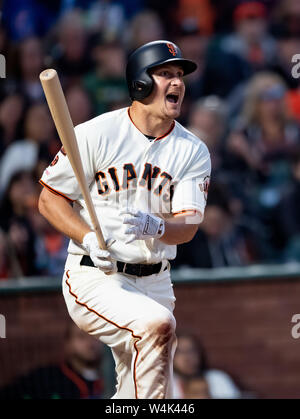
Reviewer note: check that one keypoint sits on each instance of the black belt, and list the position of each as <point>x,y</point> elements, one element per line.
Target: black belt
<point>136,269</point>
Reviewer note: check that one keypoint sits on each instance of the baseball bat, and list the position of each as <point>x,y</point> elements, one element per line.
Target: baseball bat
<point>64,125</point>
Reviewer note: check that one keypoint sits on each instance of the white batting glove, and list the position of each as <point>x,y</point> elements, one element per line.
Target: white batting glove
<point>101,258</point>
<point>144,226</point>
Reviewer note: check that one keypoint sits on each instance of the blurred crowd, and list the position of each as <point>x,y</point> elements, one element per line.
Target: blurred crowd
<point>79,373</point>
<point>243,102</point>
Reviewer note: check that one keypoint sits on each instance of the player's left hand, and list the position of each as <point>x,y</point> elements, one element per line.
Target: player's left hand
<point>142,226</point>
<point>101,258</point>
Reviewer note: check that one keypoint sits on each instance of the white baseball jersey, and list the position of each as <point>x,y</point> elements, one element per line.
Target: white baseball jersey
<point>124,169</point>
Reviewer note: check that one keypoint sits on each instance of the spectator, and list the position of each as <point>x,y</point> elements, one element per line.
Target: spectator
<point>71,55</point>
<point>108,18</point>
<point>50,246</point>
<point>24,154</point>
<point>286,19</point>
<point>32,62</point>
<point>3,38</point>
<point>193,45</point>
<point>21,242</point>
<point>286,29</point>
<point>106,85</point>
<point>33,246</point>
<point>283,64</point>
<point>251,40</point>
<point>11,115</point>
<point>232,59</point>
<point>79,104</point>
<point>4,261</point>
<point>287,213</point>
<point>196,11</point>
<point>145,26</point>
<point>265,133</point>
<point>10,265</point>
<point>257,153</point>
<point>19,199</point>
<point>29,61</point>
<point>77,376</point>
<point>167,12</point>
<point>208,120</point>
<point>194,379</point>
<point>222,239</point>
<point>29,17</point>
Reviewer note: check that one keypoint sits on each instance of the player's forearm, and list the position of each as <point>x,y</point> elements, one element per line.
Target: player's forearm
<point>61,215</point>
<point>178,233</point>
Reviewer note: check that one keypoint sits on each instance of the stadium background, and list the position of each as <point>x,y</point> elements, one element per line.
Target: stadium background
<point>237,282</point>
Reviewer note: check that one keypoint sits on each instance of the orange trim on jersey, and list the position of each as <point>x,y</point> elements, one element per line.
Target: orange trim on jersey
<point>186,212</point>
<point>167,133</point>
<point>128,111</point>
<point>55,191</point>
<point>114,324</point>
<point>158,138</point>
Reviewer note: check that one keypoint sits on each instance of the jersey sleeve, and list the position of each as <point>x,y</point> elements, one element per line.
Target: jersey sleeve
<point>59,176</point>
<point>190,193</point>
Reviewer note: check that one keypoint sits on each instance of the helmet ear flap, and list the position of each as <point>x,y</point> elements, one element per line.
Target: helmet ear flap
<point>139,85</point>
<point>142,87</point>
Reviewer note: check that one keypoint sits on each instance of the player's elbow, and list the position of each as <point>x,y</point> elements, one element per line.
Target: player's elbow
<point>45,203</point>
<point>42,203</point>
<point>189,233</point>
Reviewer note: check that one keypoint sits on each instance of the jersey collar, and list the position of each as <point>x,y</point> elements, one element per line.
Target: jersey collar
<point>161,136</point>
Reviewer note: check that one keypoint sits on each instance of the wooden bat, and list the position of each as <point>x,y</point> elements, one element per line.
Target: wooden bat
<point>64,125</point>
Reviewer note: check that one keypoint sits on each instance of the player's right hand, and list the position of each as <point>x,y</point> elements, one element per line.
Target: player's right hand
<point>101,258</point>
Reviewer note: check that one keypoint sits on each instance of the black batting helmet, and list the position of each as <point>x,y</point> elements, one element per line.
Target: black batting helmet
<point>150,55</point>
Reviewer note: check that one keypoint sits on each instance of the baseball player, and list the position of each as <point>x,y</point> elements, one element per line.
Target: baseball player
<point>148,179</point>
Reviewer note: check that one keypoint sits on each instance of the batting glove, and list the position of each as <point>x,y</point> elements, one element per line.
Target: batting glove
<point>144,226</point>
<point>101,258</point>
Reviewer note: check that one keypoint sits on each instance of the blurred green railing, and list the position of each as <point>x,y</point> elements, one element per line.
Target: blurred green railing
<point>179,276</point>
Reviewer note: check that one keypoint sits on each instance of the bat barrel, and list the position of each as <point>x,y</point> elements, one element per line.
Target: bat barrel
<point>64,125</point>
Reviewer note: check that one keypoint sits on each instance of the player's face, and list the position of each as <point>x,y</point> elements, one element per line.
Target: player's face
<point>168,92</point>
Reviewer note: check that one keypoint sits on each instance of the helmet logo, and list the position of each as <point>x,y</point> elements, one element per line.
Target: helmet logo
<point>172,49</point>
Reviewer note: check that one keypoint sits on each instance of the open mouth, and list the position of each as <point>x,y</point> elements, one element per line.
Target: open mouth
<point>172,98</point>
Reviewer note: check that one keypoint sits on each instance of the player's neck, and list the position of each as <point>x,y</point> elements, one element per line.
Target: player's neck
<point>147,122</point>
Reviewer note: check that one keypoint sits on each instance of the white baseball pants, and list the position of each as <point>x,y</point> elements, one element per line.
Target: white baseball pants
<point>133,316</point>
